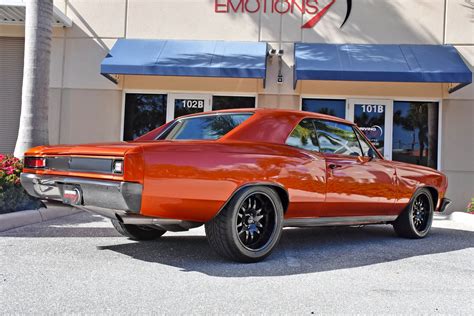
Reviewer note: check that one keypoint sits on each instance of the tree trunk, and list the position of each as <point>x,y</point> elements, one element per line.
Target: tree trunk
<point>33,130</point>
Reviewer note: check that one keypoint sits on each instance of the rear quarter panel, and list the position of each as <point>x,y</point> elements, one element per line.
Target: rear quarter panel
<point>193,180</point>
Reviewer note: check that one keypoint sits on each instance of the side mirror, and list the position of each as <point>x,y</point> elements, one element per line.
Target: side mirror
<point>371,154</point>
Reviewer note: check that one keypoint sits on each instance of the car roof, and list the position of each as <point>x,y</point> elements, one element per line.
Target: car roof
<point>275,112</point>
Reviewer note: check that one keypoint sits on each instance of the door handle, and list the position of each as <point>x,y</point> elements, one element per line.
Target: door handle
<point>334,166</point>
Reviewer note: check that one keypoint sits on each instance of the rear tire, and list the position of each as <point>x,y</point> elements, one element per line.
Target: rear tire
<point>415,221</point>
<point>137,232</point>
<point>249,227</point>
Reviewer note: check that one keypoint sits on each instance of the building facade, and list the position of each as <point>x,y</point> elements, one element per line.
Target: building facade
<point>416,122</point>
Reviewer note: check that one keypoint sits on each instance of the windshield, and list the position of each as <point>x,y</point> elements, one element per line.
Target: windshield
<point>212,126</point>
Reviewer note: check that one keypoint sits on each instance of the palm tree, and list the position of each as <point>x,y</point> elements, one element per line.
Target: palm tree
<point>33,130</point>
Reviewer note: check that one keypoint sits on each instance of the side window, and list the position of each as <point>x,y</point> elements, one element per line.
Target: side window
<point>363,143</point>
<point>304,136</point>
<point>337,138</point>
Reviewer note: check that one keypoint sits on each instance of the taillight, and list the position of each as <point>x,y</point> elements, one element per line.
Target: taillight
<point>35,162</point>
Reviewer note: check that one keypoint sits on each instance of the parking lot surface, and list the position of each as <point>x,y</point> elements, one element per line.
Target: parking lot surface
<point>80,264</point>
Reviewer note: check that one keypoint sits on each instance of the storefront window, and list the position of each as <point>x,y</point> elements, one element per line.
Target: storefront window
<point>415,133</point>
<point>143,113</point>
<point>188,106</point>
<point>325,106</point>
<point>232,102</point>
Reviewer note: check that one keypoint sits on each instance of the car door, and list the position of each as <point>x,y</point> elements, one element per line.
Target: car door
<point>356,185</point>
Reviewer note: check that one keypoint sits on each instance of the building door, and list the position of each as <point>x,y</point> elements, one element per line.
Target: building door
<point>374,118</point>
<point>184,104</point>
<point>11,77</point>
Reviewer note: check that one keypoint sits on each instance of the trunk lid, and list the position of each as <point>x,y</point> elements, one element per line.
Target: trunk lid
<point>115,149</point>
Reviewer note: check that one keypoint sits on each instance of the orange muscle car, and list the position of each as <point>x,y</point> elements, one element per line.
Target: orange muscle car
<point>245,174</point>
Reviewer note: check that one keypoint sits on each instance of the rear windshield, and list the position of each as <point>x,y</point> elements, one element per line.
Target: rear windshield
<point>204,127</point>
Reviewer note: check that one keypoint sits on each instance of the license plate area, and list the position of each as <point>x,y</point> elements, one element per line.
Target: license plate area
<point>71,194</point>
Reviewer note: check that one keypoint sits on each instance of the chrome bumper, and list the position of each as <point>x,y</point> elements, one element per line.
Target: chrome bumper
<point>116,195</point>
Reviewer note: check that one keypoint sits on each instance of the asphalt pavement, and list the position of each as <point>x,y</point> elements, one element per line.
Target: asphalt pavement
<point>79,264</point>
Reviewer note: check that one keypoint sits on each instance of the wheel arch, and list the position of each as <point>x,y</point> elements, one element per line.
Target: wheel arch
<point>434,194</point>
<point>279,189</point>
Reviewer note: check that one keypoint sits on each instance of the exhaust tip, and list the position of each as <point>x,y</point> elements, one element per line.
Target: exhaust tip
<point>119,218</point>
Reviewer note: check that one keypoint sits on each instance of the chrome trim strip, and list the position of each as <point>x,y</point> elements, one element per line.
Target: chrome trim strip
<point>337,221</point>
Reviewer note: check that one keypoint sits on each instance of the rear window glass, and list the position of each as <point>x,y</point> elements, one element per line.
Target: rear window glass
<point>204,127</point>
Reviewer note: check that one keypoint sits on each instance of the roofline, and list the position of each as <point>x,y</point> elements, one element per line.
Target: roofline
<point>262,111</point>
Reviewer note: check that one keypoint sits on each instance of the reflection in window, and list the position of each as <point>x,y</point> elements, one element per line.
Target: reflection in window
<point>206,126</point>
<point>143,113</point>
<point>415,133</point>
<point>370,118</point>
<point>337,138</point>
<point>325,106</point>
<point>304,136</point>
<point>232,102</point>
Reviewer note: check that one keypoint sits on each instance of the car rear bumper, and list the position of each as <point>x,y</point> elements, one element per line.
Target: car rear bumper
<point>444,204</point>
<point>116,195</point>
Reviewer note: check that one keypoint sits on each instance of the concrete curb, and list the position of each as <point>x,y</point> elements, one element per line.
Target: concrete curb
<point>462,217</point>
<point>23,218</point>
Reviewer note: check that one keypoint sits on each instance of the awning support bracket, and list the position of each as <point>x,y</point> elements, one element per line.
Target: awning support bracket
<point>457,87</point>
<point>111,78</point>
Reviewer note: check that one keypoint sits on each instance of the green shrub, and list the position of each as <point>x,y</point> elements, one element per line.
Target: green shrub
<point>12,195</point>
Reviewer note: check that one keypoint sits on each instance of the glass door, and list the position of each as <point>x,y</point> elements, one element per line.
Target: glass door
<point>184,104</point>
<point>374,118</point>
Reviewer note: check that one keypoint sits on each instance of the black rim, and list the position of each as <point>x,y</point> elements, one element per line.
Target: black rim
<point>256,221</point>
<point>421,212</point>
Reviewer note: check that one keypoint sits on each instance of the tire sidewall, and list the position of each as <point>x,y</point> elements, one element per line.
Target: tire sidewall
<point>430,218</point>
<point>266,250</point>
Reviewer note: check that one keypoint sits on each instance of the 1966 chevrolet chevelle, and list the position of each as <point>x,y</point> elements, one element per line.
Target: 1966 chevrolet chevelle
<point>244,174</point>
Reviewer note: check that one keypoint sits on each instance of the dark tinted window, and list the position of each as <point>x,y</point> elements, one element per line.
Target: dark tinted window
<point>325,106</point>
<point>415,133</point>
<point>143,113</point>
<point>231,102</point>
<point>304,136</point>
<point>337,138</point>
<point>205,127</point>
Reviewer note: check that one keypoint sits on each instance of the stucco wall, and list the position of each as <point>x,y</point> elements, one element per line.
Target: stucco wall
<point>86,107</point>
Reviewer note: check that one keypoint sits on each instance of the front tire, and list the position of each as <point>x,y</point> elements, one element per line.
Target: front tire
<point>137,232</point>
<point>249,227</point>
<point>415,221</point>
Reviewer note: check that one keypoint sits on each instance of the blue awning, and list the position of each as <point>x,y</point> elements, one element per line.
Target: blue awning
<point>391,63</point>
<point>186,58</point>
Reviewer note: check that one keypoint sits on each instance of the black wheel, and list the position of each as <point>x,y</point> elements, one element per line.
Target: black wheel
<point>415,221</point>
<point>137,232</point>
<point>249,227</point>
